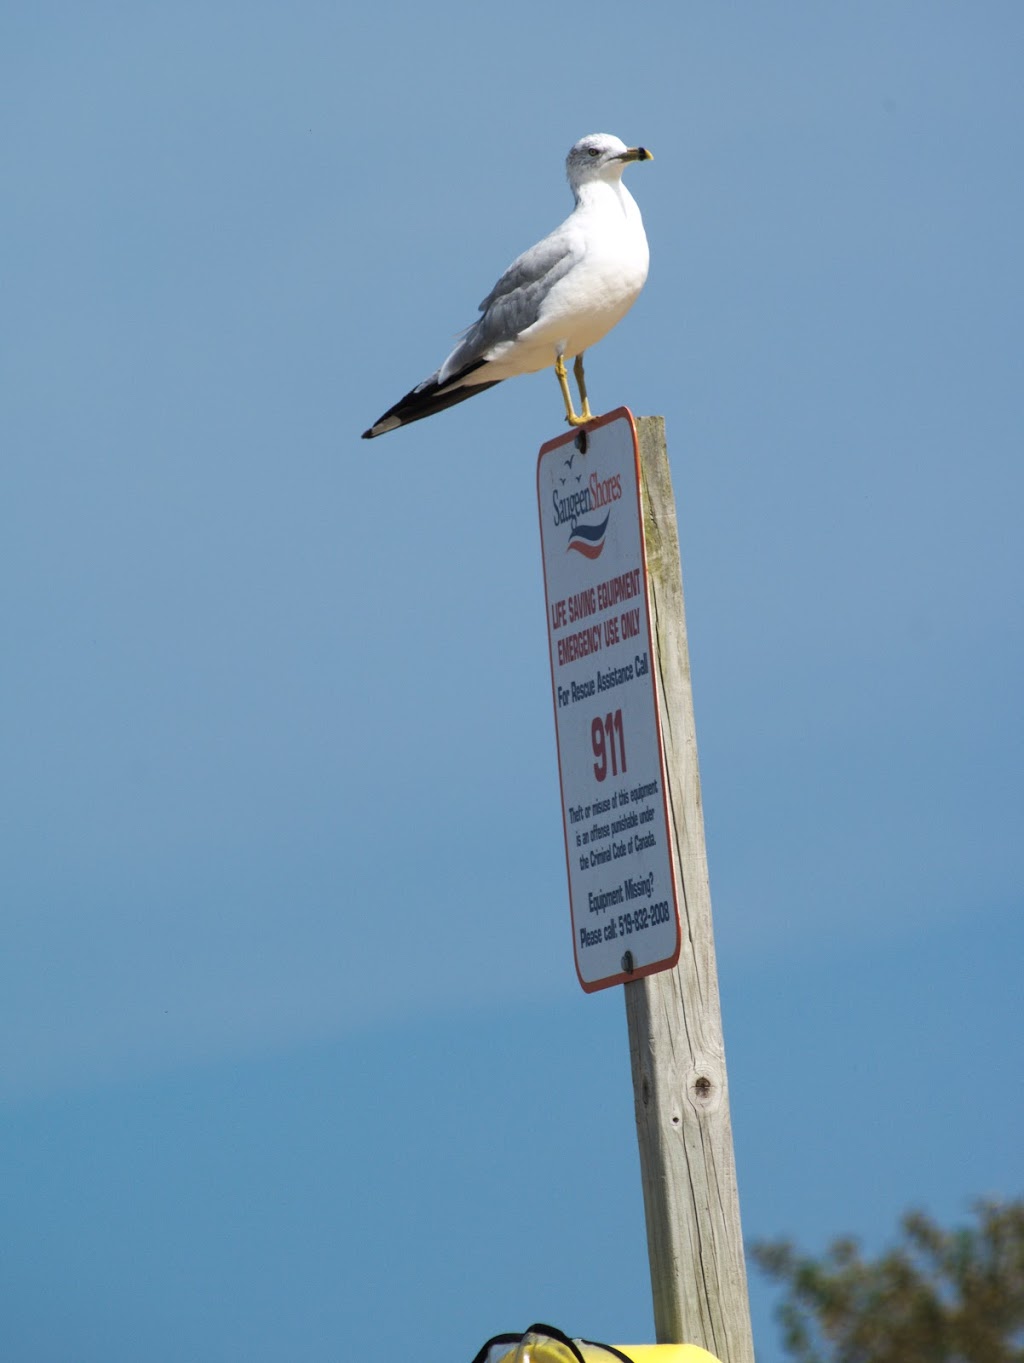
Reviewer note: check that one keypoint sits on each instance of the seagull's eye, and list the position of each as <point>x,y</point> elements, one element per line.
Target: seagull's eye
<point>593,151</point>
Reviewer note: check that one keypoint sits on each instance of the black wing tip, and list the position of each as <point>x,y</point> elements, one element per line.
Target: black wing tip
<point>425,400</point>
<point>388,422</point>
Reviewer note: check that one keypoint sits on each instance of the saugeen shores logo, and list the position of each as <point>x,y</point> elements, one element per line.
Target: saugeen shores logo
<point>579,505</point>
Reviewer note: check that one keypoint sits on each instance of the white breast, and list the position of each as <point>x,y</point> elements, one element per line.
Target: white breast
<point>597,292</point>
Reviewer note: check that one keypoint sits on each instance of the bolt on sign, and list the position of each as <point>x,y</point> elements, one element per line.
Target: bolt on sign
<point>622,891</point>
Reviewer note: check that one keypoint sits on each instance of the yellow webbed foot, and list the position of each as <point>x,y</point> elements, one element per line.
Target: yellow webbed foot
<point>563,382</point>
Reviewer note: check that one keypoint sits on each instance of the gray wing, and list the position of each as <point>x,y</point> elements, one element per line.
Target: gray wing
<point>542,264</point>
<point>515,301</point>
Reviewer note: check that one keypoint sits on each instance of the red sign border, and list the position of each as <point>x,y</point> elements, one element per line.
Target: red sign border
<point>666,963</point>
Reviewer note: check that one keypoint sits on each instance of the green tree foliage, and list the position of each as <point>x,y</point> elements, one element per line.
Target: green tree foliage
<point>940,1296</point>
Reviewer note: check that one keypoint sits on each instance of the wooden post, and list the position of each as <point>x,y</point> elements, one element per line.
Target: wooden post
<point>687,1165</point>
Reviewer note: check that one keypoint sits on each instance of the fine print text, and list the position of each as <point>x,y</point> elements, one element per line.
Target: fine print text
<point>606,831</point>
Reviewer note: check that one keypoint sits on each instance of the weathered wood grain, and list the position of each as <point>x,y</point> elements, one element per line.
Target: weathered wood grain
<point>688,1169</point>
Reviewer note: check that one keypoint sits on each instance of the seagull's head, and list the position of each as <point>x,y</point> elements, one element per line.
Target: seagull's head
<point>600,157</point>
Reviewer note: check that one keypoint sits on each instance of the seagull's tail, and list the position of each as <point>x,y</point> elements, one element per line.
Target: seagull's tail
<point>427,398</point>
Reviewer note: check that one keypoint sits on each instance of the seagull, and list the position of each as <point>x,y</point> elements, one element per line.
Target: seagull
<point>555,300</point>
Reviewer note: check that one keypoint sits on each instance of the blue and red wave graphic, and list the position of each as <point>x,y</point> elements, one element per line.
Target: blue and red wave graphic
<point>588,540</point>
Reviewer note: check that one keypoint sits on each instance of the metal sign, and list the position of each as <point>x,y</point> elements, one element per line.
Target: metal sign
<point>618,851</point>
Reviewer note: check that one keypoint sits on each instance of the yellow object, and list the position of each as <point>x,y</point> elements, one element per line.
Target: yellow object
<point>664,1353</point>
<point>545,1344</point>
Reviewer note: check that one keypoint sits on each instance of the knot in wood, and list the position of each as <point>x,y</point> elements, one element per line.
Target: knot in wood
<point>705,1088</point>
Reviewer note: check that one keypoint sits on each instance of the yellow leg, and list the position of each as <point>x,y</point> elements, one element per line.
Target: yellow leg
<point>563,383</point>
<point>577,370</point>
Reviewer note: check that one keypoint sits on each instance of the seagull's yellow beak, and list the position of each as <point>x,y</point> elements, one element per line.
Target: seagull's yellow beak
<point>637,154</point>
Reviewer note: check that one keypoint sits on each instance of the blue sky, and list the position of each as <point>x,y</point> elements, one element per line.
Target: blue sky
<point>294,1056</point>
